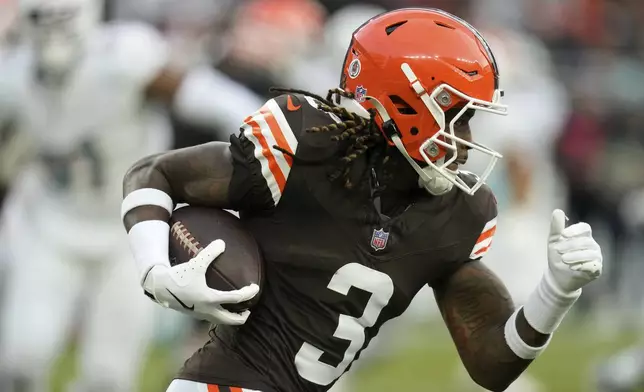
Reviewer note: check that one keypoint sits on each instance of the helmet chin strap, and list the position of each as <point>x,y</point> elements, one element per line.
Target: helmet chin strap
<point>434,182</point>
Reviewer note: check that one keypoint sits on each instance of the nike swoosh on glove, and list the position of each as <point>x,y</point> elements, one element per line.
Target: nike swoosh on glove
<point>574,257</point>
<point>183,287</point>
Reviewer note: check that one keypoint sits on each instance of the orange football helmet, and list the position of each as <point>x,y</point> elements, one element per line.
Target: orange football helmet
<point>412,65</point>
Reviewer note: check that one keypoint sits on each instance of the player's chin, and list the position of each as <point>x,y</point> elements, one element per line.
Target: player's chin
<point>456,164</point>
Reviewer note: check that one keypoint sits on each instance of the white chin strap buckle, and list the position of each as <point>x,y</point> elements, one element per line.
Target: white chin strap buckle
<point>437,186</point>
<point>434,182</point>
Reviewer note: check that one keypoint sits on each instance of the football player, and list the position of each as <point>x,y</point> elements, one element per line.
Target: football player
<point>79,90</point>
<point>357,202</point>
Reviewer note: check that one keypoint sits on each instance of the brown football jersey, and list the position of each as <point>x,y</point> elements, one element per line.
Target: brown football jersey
<point>337,268</point>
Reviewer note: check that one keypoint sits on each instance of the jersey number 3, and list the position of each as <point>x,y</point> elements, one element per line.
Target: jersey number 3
<point>349,328</point>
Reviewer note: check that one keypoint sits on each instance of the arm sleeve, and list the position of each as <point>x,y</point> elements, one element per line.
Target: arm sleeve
<point>261,154</point>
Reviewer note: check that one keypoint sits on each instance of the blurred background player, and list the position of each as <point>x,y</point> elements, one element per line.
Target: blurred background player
<point>80,97</point>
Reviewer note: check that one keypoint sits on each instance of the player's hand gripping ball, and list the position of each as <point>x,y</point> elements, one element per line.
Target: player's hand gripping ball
<point>183,287</point>
<point>574,257</point>
<point>233,264</point>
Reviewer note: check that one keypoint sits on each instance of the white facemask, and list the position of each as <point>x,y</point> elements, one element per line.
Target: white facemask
<point>446,137</point>
<point>436,177</point>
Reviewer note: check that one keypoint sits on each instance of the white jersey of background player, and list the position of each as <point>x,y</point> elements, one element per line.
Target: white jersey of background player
<point>78,91</point>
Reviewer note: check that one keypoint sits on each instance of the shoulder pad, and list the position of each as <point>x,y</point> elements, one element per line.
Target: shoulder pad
<point>290,118</point>
<point>275,138</point>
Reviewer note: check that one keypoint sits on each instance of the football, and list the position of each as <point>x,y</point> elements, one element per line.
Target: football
<point>193,228</point>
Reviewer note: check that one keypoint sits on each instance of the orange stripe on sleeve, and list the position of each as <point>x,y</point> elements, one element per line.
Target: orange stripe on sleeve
<point>235,389</point>
<point>277,132</point>
<point>268,154</point>
<point>213,388</point>
<point>486,234</point>
<point>484,241</point>
<point>483,250</point>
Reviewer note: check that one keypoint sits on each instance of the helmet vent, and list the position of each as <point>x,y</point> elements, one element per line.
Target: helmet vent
<point>442,24</point>
<point>402,106</point>
<point>469,73</point>
<point>390,29</point>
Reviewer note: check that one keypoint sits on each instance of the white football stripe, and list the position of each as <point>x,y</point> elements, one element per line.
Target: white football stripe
<point>475,256</point>
<point>482,244</point>
<point>311,101</point>
<point>266,171</point>
<point>271,141</point>
<point>489,225</point>
<point>314,103</point>
<point>283,124</point>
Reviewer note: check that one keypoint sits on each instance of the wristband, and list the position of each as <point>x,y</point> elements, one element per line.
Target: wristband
<point>516,344</point>
<point>146,197</point>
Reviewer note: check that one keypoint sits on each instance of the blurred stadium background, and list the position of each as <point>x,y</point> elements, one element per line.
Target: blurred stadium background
<point>573,73</point>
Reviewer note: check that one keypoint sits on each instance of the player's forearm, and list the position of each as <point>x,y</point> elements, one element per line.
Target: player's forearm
<point>145,174</point>
<point>491,362</point>
<point>478,312</point>
<point>495,341</point>
<point>145,211</point>
<point>481,343</point>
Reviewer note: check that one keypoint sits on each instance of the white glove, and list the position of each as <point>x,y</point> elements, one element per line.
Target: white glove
<point>183,288</point>
<point>574,260</point>
<point>574,257</point>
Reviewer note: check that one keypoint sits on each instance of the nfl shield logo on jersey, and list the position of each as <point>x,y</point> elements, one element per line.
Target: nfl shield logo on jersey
<point>379,239</point>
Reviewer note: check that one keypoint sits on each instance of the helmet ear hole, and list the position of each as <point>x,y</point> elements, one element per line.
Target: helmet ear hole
<point>414,131</point>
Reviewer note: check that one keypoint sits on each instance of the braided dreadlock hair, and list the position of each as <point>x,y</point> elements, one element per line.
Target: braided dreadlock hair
<point>359,133</point>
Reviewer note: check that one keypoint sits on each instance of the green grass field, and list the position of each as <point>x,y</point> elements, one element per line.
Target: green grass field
<point>432,364</point>
<point>429,363</point>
